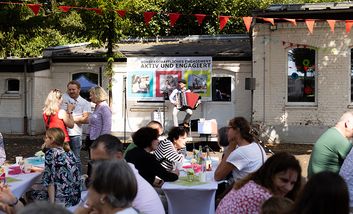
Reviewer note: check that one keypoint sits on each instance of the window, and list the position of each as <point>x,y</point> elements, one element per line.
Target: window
<point>221,89</point>
<point>301,76</point>
<point>87,81</point>
<point>13,86</point>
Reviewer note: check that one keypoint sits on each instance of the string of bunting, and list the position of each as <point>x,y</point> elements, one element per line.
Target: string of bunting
<point>173,17</point>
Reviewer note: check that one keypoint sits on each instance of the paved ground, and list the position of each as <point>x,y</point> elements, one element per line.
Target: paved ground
<point>27,146</point>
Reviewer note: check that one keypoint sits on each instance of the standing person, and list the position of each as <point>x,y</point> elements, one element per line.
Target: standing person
<point>170,151</point>
<point>61,177</point>
<point>54,116</point>
<point>109,147</point>
<point>243,155</point>
<point>80,115</point>
<point>332,147</point>
<point>100,121</point>
<point>280,175</point>
<point>173,99</point>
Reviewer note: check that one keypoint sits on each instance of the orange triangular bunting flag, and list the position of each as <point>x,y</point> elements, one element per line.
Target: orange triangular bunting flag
<point>34,7</point>
<point>223,21</point>
<point>349,24</point>
<point>200,18</point>
<point>247,21</point>
<point>121,13</point>
<point>148,16</point>
<point>331,23</point>
<point>294,23</point>
<point>310,24</point>
<point>173,18</point>
<point>271,20</point>
<point>65,8</point>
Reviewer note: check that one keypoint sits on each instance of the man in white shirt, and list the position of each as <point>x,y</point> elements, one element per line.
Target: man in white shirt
<point>108,147</point>
<point>173,99</point>
<point>80,114</point>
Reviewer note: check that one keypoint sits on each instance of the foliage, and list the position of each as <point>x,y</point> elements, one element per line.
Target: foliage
<point>23,34</point>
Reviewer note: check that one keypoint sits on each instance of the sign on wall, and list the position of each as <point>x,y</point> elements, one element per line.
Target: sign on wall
<point>150,77</point>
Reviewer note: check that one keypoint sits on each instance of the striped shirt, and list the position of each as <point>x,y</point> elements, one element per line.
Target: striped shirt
<point>167,154</point>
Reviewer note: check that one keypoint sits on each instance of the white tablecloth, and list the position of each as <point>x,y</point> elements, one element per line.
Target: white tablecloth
<point>24,183</point>
<point>198,199</point>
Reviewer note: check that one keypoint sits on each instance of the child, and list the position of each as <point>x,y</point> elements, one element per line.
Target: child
<point>61,176</point>
<point>276,204</point>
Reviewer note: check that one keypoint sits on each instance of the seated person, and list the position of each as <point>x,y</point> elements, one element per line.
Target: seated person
<point>146,140</point>
<point>170,150</point>
<point>109,147</point>
<point>105,196</point>
<point>153,124</point>
<point>279,176</point>
<point>243,155</point>
<point>61,177</point>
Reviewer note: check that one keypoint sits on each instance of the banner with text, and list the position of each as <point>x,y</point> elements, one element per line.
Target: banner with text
<point>151,77</point>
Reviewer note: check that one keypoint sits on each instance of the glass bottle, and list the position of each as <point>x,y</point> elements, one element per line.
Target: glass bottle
<point>208,160</point>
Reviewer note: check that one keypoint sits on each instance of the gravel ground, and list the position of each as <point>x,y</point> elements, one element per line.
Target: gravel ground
<point>27,146</point>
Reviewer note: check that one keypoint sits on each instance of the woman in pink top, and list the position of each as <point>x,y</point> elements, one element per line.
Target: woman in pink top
<point>280,175</point>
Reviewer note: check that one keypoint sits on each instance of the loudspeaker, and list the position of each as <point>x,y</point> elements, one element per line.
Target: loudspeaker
<point>250,83</point>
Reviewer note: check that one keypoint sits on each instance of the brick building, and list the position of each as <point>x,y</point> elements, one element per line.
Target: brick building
<point>303,79</point>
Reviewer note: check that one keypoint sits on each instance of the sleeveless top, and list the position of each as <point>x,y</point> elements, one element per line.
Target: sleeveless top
<point>53,121</point>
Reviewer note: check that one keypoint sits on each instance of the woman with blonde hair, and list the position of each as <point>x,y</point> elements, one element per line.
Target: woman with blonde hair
<point>53,116</point>
<point>100,121</point>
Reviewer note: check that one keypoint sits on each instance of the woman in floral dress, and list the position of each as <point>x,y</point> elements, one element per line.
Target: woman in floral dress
<point>61,177</point>
<point>280,176</point>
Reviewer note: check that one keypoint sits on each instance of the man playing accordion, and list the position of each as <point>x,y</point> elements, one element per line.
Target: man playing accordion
<point>178,98</point>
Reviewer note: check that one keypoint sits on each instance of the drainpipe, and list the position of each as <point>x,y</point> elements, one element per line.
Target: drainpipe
<point>25,117</point>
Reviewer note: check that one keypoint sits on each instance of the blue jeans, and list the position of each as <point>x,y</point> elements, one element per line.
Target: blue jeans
<point>75,145</point>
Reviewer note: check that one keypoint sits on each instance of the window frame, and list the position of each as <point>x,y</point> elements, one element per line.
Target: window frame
<point>305,104</point>
<point>8,85</point>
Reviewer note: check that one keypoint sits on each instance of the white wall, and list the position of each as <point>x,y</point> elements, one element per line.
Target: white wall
<point>300,124</point>
<point>138,114</point>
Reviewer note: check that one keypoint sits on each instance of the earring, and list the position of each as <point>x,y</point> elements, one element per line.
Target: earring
<point>102,200</point>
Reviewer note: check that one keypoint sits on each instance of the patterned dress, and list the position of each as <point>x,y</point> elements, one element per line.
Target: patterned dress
<point>247,199</point>
<point>62,171</point>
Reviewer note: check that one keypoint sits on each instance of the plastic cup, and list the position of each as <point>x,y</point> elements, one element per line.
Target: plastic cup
<point>203,177</point>
<point>18,159</point>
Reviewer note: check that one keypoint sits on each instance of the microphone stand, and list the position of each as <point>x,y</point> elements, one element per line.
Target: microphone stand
<point>125,107</point>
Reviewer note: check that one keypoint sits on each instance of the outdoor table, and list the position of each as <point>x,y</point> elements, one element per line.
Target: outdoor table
<point>191,197</point>
<point>20,183</point>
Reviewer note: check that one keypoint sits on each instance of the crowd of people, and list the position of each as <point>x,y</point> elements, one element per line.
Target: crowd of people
<point>129,181</point>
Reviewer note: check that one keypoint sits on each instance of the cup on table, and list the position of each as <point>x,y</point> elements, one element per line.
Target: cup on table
<point>19,159</point>
<point>27,167</point>
<point>177,165</point>
<point>202,177</point>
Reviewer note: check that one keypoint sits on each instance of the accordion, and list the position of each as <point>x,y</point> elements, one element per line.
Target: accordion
<point>186,100</point>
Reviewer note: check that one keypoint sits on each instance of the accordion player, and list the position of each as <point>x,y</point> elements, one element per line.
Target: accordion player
<point>187,100</point>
